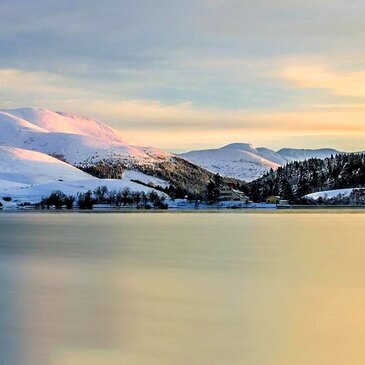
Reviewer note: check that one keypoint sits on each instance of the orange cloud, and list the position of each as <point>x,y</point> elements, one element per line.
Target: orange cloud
<point>320,77</point>
<point>186,125</point>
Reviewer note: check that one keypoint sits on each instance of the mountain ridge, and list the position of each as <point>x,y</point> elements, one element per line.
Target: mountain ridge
<point>77,138</point>
<point>86,143</point>
<point>245,162</point>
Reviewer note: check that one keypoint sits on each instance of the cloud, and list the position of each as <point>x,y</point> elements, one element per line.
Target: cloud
<point>18,84</point>
<point>322,77</point>
<point>193,73</point>
<point>185,125</point>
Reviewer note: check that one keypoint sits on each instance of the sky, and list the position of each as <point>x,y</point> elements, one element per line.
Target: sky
<point>193,74</point>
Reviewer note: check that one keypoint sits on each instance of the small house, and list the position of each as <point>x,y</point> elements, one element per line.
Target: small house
<point>273,199</point>
<point>226,193</point>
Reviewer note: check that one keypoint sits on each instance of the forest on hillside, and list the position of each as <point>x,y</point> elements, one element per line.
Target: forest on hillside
<point>296,179</point>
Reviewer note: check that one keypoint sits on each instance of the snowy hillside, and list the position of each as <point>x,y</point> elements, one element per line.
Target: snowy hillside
<point>31,167</point>
<point>66,123</point>
<point>243,161</point>
<point>28,176</point>
<point>74,138</point>
<point>238,160</point>
<point>96,147</point>
<point>85,142</point>
<point>35,193</point>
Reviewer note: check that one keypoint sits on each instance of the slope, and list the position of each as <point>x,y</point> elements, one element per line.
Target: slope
<point>245,162</point>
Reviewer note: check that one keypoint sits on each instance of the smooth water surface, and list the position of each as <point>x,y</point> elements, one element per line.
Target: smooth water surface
<point>182,289</point>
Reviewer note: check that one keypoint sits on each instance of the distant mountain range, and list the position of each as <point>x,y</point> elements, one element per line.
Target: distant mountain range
<point>42,150</point>
<point>245,162</point>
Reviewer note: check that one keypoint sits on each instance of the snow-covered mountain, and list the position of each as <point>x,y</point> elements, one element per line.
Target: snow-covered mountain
<point>244,161</point>
<point>74,138</point>
<point>102,151</point>
<point>238,160</point>
<point>86,143</point>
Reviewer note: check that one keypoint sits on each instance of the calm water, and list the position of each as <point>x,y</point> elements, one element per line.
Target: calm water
<point>182,289</point>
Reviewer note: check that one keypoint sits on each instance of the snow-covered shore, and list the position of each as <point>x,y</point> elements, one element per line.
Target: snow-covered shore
<point>328,194</point>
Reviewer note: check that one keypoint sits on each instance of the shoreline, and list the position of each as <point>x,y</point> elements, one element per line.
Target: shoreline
<point>104,210</point>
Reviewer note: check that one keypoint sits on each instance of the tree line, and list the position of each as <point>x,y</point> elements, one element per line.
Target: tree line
<point>101,195</point>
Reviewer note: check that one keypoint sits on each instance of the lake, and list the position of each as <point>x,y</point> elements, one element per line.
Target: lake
<point>278,288</point>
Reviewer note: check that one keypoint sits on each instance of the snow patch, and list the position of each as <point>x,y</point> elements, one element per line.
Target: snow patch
<point>30,167</point>
<point>328,194</point>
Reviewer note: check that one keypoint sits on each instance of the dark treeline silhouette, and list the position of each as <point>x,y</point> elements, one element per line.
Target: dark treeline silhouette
<point>101,195</point>
<point>57,199</point>
<point>297,179</point>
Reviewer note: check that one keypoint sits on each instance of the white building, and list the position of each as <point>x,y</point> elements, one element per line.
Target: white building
<point>226,193</point>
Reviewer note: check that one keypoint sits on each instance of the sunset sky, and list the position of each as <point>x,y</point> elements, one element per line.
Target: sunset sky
<point>188,74</point>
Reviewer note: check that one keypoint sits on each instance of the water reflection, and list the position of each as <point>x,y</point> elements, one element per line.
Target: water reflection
<point>180,289</point>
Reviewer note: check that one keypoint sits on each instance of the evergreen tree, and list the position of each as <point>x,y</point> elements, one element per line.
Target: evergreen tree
<point>85,201</point>
<point>213,188</point>
<point>69,201</point>
<point>297,179</point>
<point>137,198</point>
<point>100,194</point>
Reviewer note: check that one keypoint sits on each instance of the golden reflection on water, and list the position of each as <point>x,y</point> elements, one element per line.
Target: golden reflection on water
<point>177,289</point>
